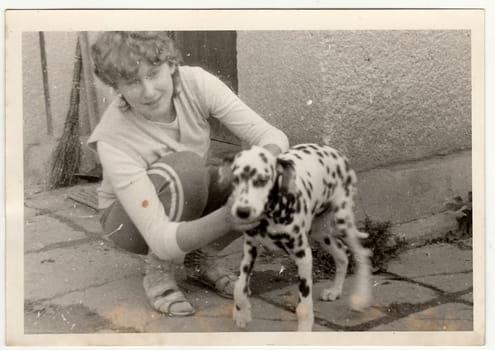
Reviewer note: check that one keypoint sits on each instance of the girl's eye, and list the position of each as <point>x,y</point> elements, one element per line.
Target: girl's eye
<point>152,74</point>
<point>132,83</point>
<point>235,180</point>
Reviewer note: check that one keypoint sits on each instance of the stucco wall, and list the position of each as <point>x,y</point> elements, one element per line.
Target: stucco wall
<point>382,97</point>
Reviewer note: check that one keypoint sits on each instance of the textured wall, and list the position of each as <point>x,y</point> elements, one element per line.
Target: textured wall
<point>381,96</point>
<point>38,145</point>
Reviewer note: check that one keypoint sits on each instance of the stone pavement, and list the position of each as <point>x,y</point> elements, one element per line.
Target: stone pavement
<point>75,282</point>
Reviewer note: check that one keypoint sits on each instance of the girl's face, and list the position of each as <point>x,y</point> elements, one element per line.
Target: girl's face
<point>150,92</point>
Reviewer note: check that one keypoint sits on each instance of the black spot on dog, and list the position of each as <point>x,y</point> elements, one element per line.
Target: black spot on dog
<point>327,168</point>
<point>327,241</point>
<point>297,156</point>
<point>309,195</point>
<point>290,244</point>
<point>237,307</point>
<point>340,221</point>
<point>304,289</point>
<point>300,254</point>
<point>334,155</point>
<point>299,241</point>
<point>319,154</point>
<point>306,151</point>
<point>321,161</point>
<point>263,157</point>
<point>245,268</point>
<point>339,173</point>
<point>333,174</point>
<point>343,205</point>
<point>296,229</point>
<point>281,246</point>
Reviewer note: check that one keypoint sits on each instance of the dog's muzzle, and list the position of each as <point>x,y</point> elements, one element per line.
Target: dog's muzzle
<point>243,212</point>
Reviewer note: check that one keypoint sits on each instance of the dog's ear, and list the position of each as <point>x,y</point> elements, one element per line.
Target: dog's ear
<point>228,158</point>
<point>286,174</point>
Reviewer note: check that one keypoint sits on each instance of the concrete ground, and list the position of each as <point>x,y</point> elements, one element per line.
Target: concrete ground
<point>75,282</point>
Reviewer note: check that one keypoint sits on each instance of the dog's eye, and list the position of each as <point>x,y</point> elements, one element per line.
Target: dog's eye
<point>260,182</point>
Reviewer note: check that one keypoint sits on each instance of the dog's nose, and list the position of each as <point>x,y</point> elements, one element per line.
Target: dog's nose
<point>243,212</point>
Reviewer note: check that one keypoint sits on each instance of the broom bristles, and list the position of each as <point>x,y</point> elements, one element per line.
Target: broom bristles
<point>66,161</point>
<point>67,155</point>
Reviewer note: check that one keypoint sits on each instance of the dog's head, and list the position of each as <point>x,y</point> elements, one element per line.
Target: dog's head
<point>254,173</point>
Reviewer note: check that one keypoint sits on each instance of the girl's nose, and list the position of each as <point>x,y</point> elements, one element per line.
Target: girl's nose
<point>148,88</point>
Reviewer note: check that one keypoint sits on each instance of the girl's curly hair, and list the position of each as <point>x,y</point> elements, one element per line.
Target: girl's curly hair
<point>117,55</point>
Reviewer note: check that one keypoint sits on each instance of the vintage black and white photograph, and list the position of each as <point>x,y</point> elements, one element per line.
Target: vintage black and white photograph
<point>250,179</point>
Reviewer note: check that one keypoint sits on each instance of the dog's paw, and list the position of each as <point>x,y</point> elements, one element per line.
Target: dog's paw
<point>360,301</point>
<point>242,316</point>
<point>330,294</point>
<point>305,326</point>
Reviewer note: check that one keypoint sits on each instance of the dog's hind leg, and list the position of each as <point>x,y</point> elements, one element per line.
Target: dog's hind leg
<point>348,232</point>
<point>242,307</point>
<point>323,231</point>
<point>304,309</point>
<point>338,251</point>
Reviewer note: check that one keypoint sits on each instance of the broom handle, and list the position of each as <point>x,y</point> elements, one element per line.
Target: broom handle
<point>72,123</point>
<point>89,84</point>
<point>46,90</point>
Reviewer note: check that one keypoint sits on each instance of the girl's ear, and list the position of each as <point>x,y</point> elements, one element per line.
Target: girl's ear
<point>286,171</point>
<point>225,168</point>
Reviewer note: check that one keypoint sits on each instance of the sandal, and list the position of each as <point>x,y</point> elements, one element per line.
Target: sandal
<point>162,290</point>
<point>219,279</point>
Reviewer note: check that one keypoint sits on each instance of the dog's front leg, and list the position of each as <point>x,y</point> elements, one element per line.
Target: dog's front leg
<point>242,307</point>
<point>304,309</point>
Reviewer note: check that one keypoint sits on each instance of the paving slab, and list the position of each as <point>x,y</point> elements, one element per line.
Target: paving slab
<point>123,305</point>
<point>59,271</point>
<point>443,266</point>
<point>82,218</point>
<point>434,226</point>
<point>30,212</point>
<point>336,314</point>
<point>446,317</point>
<point>42,230</point>
<point>49,200</point>
<point>467,297</point>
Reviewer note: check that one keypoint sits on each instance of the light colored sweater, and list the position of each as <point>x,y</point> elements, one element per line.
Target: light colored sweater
<point>128,144</point>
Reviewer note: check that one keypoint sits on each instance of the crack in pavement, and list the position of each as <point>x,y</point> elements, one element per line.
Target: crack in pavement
<point>393,312</point>
<point>61,245</point>
<point>396,277</point>
<point>74,226</point>
<point>79,290</point>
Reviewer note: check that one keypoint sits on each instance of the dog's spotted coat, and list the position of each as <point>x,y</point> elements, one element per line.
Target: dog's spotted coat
<point>307,191</point>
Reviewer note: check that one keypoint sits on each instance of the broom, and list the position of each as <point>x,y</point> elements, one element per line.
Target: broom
<point>67,155</point>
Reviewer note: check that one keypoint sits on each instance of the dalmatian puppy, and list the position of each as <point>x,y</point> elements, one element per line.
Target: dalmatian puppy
<point>307,191</point>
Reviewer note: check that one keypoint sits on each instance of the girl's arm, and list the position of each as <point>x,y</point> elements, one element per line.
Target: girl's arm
<point>135,191</point>
<point>246,124</point>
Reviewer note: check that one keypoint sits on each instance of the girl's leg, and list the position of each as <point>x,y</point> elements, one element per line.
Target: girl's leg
<point>182,187</point>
